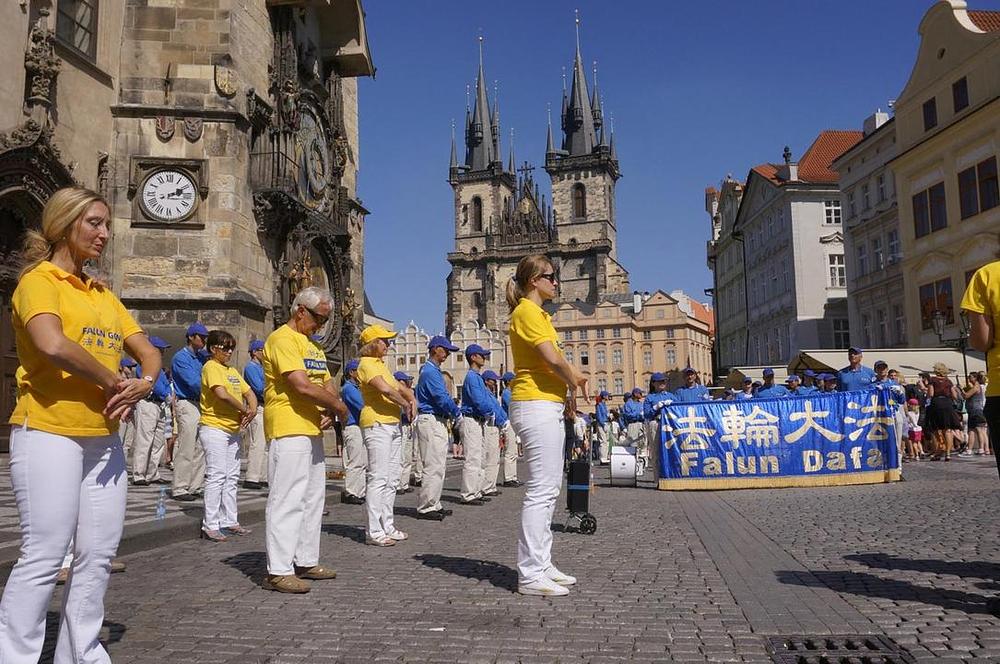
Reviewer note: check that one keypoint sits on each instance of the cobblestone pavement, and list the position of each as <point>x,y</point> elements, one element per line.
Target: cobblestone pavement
<point>667,577</point>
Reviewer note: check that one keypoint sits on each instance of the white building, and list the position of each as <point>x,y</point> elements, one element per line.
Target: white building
<point>876,300</point>
<point>725,260</point>
<point>789,223</point>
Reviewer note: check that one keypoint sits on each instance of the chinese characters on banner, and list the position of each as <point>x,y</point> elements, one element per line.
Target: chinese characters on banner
<point>838,438</point>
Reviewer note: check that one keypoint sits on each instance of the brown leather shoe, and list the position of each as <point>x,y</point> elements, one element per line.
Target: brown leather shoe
<point>287,583</point>
<point>316,573</point>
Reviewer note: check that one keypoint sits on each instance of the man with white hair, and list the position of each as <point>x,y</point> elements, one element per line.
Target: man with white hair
<point>299,400</point>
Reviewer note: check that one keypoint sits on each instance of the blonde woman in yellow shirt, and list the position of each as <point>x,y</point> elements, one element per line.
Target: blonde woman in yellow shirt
<point>67,466</point>
<point>227,405</point>
<point>380,425</point>
<point>544,387</point>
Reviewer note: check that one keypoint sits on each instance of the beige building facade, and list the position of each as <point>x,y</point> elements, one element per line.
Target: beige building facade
<point>224,134</point>
<point>947,125</point>
<point>620,342</point>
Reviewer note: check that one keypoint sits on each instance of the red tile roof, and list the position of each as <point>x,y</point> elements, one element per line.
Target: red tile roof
<point>987,21</point>
<point>704,314</point>
<point>814,167</point>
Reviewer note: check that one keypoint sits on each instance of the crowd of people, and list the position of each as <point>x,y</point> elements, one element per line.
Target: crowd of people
<point>95,399</point>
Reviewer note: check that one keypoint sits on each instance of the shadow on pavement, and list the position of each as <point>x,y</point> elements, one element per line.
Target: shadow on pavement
<point>356,533</point>
<point>499,575</point>
<point>115,633</point>
<point>975,569</point>
<point>869,585</point>
<point>252,563</point>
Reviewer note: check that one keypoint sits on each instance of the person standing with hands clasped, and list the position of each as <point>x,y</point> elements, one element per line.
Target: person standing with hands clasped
<point>227,403</point>
<point>542,380</point>
<point>253,374</point>
<point>982,302</point>
<point>67,466</point>
<point>385,399</point>
<point>299,398</point>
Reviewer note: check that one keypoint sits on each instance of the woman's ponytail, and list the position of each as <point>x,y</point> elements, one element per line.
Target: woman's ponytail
<point>527,269</point>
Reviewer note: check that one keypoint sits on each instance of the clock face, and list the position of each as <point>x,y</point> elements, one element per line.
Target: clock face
<point>168,195</point>
<point>314,158</point>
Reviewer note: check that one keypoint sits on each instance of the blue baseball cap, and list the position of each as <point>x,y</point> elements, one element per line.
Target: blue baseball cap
<point>689,370</point>
<point>489,374</point>
<point>441,341</point>
<point>657,376</point>
<point>768,371</point>
<point>127,362</point>
<point>256,345</point>
<point>854,350</point>
<point>507,377</point>
<point>476,349</point>
<point>158,343</point>
<point>197,328</point>
<point>793,378</point>
<point>352,366</point>
<point>810,373</point>
<point>402,376</point>
<point>636,390</point>
<point>747,379</point>
<point>604,394</point>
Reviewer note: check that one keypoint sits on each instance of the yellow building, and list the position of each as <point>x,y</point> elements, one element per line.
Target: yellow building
<point>621,341</point>
<point>948,136</point>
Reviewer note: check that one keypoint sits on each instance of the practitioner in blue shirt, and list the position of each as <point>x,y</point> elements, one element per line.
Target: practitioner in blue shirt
<point>435,406</point>
<point>808,385</point>
<point>771,390</point>
<point>855,376</point>
<point>149,443</point>
<point>355,454</point>
<point>658,397</point>
<point>692,389</point>
<point>253,374</point>
<point>603,421</point>
<point>747,391</point>
<point>510,442</point>
<point>477,410</point>
<point>793,384</point>
<point>189,455</point>
<point>492,430</point>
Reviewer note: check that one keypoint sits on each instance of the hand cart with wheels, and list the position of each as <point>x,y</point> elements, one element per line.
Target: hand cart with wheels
<point>578,485</point>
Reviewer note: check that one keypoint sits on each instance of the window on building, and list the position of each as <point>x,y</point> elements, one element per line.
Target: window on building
<point>583,335</point>
<point>882,323</point>
<point>661,312</point>
<point>880,184</point>
<point>838,270</point>
<point>899,323</point>
<point>671,358</point>
<point>671,333</point>
<point>977,188</point>
<point>600,333</point>
<point>930,211</point>
<point>831,209</point>
<point>862,256</point>
<point>568,354</point>
<point>579,201</point>
<point>584,357</point>
<point>647,358</point>
<point>865,200</point>
<point>841,333</point>
<point>866,329</point>
<point>602,358</point>
<point>477,214</point>
<point>616,357</point>
<point>602,384</point>
<point>892,247</point>
<point>616,333</point>
<point>936,296</point>
<point>619,385</point>
<point>960,94</point>
<point>647,334</point>
<point>878,258</point>
<point>850,204</point>
<point>76,26</point>
<point>568,335</point>
<point>774,281</point>
<point>930,114</point>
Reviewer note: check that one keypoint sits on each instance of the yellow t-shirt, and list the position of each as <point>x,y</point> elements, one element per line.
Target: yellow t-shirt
<point>215,412</point>
<point>534,379</point>
<point>983,297</point>
<point>50,399</point>
<point>286,413</point>
<point>378,407</point>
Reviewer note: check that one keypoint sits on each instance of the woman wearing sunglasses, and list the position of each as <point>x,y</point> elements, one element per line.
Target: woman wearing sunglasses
<point>542,380</point>
<point>227,405</point>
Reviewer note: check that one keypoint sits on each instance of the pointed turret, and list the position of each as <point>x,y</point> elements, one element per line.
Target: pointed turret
<point>578,120</point>
<point>453,166</point>
<point>595,104</point>
<point>510,157</point>
<point>480,144</point>
<point>550,147</point>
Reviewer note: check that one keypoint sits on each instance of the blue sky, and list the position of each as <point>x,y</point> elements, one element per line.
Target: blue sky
<point>697,90</point>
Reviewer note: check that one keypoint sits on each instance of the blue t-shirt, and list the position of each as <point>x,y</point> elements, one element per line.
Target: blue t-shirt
<point>694,393</point>
<point>351,395</point>
<point>854,381</point>
<point>770,391</point>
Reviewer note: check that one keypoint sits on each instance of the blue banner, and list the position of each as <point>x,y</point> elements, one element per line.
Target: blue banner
<point>816,440</point>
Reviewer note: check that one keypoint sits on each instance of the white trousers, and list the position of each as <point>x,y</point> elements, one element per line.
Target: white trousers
<point>65,488</point>
<point>355,461</point>
<point>383,442</point>
<point>540,427</point>
<point>491,458</point>
<point>509,453</point>
<point>472,470</point>
<point>602,441</point>
<point>149,442</point>
<point>189,457</point>
<point>256,449</point>
<point>432,443</point>
<point>636,435</point>
<point>294,516</point>
<point>406,456</point>
<point>222,475</point>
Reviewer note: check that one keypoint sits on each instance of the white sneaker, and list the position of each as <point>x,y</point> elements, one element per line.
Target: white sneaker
<point>555,576</point>
<point>543,587</point>
<point>398,535</point>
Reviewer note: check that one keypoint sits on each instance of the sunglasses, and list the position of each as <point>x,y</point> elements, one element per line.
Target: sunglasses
<point>549,276</point>
<point>226,349</point>
<point>319,318</point>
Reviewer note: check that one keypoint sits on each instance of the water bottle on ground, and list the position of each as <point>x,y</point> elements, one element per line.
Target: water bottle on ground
<point>161,504</point>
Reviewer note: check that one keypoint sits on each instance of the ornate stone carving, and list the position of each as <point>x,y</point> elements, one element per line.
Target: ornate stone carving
<point>41,62</point>
<point>21,137</point>
<point>259,112</point>
<point>193,128</point>
<point>164,127</point>
<point>103,174</point>
<point>225,81</point>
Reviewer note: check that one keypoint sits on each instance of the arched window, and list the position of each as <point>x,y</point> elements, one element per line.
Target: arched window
<point>477,215</point>
<point>579,201</point>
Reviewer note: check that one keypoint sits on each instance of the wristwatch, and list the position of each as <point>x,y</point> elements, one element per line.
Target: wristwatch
<point>148,379</point>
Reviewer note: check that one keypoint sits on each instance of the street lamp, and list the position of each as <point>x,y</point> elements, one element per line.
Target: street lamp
<point>938,321</point>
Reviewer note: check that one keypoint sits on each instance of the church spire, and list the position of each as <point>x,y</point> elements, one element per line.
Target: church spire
<point>550,148</point>
<point>510,157</point>
<point>578,120</point>
<point>480,145</point>
<point>454,153</point>
<point>595,103</point>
